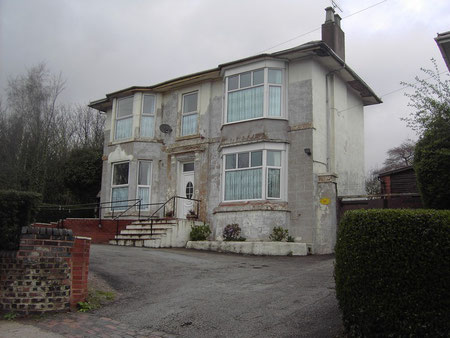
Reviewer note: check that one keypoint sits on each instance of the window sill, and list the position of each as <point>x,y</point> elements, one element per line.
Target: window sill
<point>282,118</point>
<point>188,137</point>
<point>260,205</point>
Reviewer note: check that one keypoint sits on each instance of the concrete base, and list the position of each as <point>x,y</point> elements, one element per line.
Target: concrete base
<point>252,248</point>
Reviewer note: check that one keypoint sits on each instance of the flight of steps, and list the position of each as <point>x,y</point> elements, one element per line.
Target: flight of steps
<point>167,233</point>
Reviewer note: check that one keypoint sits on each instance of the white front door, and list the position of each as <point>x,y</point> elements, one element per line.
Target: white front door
<point>185,189</point>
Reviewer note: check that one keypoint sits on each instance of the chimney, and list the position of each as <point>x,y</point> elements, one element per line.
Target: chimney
<point>332,34</point>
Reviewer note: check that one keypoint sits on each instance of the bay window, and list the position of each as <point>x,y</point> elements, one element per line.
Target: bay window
<point>144,183</point>
<point>119,186</point>
<point>254,174</point>
<point>254,94</point>
<point>189,114</point>
<point>148,116</point>
<point>124,118</point>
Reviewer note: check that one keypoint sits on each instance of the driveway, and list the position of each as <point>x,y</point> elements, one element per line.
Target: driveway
<point>205,294</point>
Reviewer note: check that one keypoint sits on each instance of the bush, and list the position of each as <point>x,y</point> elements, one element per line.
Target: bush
<point>232,232</point>
<point>279,234</point>
<point>17,209</point>
<point>200,232</point>
<point>392,272</point>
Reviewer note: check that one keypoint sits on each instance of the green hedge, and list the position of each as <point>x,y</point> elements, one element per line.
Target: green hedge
<point>17,209</point>
<point>392,272</point>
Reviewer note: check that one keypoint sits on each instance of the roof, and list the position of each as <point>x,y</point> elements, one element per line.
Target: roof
<point>443,42</point>
<point>395,171</point>
<point>319,49</point>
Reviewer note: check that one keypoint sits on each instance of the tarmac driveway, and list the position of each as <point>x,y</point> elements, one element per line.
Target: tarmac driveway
<point>205,294</point>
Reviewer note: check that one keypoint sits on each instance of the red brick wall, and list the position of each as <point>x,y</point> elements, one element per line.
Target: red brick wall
<point>80,270</point>
<point>89,227</point>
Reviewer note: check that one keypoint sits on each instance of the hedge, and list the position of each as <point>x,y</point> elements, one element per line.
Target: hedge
<point>392,272</point>
<point>17,209</point>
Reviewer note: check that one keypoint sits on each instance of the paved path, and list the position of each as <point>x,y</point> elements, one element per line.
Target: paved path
<point>186,293</point>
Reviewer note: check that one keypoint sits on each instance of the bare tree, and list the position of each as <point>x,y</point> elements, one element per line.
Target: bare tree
<point>400,156</point>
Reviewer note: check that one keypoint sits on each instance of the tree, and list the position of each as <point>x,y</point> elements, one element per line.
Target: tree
<point>401,156</point>
<point>373,186</point>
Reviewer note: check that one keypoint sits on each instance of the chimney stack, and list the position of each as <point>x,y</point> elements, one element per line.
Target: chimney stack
<point>332,34</point>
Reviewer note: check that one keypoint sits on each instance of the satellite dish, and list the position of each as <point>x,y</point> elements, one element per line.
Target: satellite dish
<point>165,128</point>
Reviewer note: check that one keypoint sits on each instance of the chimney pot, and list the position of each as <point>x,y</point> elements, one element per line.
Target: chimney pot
<point>329,14</point>
<point>337,19</point>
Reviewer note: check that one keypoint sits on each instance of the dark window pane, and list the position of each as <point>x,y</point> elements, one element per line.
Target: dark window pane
<point>189,190</point>
<point>233,82</point>
<point>243,160</point>
<point>149,105</point>
<point>258,77</point>
<point>125,107</point>
<point>188,167</point>
<point>256,158</point>
<point>190,103</point>
<point>246,80</point>
<point>230,161</point>
<point>120,174</point>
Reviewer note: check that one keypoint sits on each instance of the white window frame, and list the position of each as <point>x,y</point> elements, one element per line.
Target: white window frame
<point>266,65</point>
<point>149,186</point>
<point>113,186</point>
<point>148,115</point>
<point>183,114</point>
<point>264,147</point>
<point>117,119</point>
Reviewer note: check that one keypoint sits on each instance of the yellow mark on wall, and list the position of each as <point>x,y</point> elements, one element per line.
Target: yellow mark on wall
<point>325,201</point>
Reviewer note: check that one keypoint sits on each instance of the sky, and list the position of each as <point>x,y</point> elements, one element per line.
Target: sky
<point>101,46</point>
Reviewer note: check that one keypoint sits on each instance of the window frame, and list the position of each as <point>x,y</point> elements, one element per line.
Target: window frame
<point>117,118</point>
<point>153,114</point>
<point>266,65</point>
<point>183,114</point>
<point>149,185</point>
<point>115,186</point>
<point>264,147</point>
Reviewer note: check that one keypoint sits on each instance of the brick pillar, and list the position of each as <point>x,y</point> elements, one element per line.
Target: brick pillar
<point>80,270</point>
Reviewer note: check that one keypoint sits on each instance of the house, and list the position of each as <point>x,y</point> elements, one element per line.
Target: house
<point>443,42</point>
<point>265,141</point>
<point>398,181</point>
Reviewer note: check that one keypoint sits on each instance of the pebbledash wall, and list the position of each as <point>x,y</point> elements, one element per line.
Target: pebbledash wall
<point>48,273</point>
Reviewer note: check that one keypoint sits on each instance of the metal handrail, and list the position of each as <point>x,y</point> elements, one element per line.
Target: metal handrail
<point>118,216</point>
<point>174,209</point>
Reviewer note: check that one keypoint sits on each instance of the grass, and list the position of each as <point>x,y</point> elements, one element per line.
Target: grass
<point>95,300</point>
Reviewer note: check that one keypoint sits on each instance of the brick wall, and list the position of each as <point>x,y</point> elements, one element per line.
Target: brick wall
<point>89,227</point>
<point>49,272</point>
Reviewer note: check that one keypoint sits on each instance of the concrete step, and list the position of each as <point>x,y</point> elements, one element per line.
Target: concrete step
<point>148,227</point>
<point>143,231</point>
<point>149,243</point>
<point>159,221</point>
<point>136,237</point>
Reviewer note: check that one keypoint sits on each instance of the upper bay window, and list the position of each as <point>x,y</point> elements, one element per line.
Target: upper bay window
<point>124,118</point>
<point>254,94</point>
<point>254,174</point>
<point>148,116</point>
<point>189,114</point>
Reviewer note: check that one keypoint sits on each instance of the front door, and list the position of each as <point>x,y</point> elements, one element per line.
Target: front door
<point>185,189</point>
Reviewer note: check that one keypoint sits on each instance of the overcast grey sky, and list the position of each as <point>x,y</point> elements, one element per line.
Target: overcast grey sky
<point>101,46</point>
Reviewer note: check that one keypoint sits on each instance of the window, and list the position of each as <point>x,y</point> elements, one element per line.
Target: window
<point>254,94</point>
<point>253,175</point>
<point>148,116</point>
<point>144,183</point>
<point>119,191</point>
<point>124,118</point>
<point>189,114</point>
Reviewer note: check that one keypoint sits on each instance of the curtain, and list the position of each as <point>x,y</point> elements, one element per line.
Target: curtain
<point>144,196</point>
<point>243,184</point>
<point>273,183</point>
<point>119,194</point>
<point>245,104</point>
<point>274,101</point>
<point>147,126</point>
<point>189,124</point>
<point>123,128</point>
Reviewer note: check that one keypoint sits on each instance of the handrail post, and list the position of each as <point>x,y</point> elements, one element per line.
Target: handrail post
<point>139,213</point>
<point>174,207</point>
<point>151,227</point>
<point>198,208</point>
<point>117,227</point>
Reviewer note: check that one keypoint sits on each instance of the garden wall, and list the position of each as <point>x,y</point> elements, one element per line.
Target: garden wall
<point>48,273</point>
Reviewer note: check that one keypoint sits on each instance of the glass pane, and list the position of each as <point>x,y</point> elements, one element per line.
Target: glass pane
<point>189,125</point>
<point>149,105</point>
<point>144,196</point>
<point>188,167</point>
<point>233,82</point>
<point>258,77</point>
<point>147,126</point>
<point>243,184</point>
<point>125,107</point>
<point>230,161</point>
<point>274,101</point>
<point>243,160</point>
<point>189,190</point>
<point>275,76</point>
<point>119,194</point>
<point>245,104</point>
<point>256,158</point>
<point>120,175</point>
<point>144,173</point>
<point>190,103</point>
<point>123,128</point>
<point>273,183</point>
<point>246,80</point>
<point>274,158</point>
